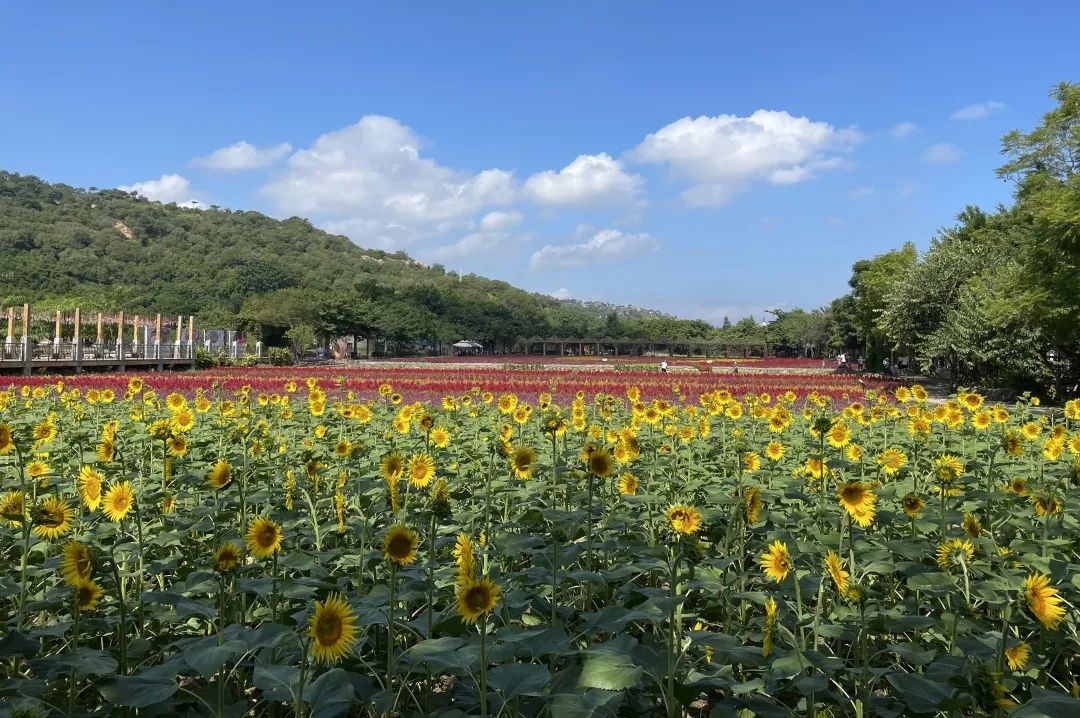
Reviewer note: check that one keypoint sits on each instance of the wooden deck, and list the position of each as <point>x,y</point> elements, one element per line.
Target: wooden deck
<point>64,358</point>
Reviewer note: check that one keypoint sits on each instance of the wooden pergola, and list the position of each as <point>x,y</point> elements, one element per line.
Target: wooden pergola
<point>596,346</point>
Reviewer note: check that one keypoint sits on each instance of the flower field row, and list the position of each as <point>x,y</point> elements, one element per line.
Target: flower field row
<point>205,545</point>
<point>432,383</point>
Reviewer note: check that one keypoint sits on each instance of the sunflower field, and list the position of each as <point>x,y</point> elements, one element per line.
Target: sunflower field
<point>308,549</point>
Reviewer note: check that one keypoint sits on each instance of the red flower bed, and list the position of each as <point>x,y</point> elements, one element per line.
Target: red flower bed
<point>553,359</point>
<point>428,384</point>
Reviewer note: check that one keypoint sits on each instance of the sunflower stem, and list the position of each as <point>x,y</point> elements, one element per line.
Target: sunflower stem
<point>483,665</point>
<point>390,632</point>
<point>74,650</point>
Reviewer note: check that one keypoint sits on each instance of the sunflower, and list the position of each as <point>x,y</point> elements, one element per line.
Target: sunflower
<point>477,598</point>
<point>52,518</point>
<point>343,449</point>
<point>87,593</point>
<point>954,551</point>
<point>858,500</point>
<point>776,562</point>
<point>774,451</point>
<point>1046,505</point>
<point>981,420</point>
<point>854,453</point>
<point>628,484</point>
<point>1014,443</point>
<point>7,441</point>
<point>227,557</point>
<point>37,469</point>
<point>948,468</point>
<point>835,568</point>
<point>600,463</point>
<point>1030,431</point>
<point>400,545</point>
<point>507,403</point>
<point>106,451</point>
<point>1043,600</point>
<point>523,462</point>
<point>770,627</point>
<point>751,462</point>
<point>332,628</point>
<point>183,420</point>
<point>421,470</point>
<point>12,508</point>
<point>752,504</point>
<point>972,527</point>
<point>220,474</point>
<point>263,537</point>
<point>838,435</point>
<point>1018,656</point>
<point>464,558</point>
<point>392,466</point>
<point>891,461</point>
<point>918,427</point>
<point>913,505</point>
<point>684,519</point>
<point>175,401</point>
<point>1017,486</point>
<point>440,437</point>
<point>77,564</point>
<point>90,487</point>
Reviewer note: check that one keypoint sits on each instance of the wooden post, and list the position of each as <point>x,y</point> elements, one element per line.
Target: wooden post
<point>191,337</point>
<point>157,341</point>
<point>100,343</point>
<point>77,341</point>
<point>9,340</point>
<point>120,342</point>
<point>28,354</point>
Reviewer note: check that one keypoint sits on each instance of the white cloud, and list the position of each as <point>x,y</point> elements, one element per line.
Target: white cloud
<point>370,181</point>
<point>942,153</point>
<point>834,221</point>
<point>167,189</point>
<point>725,154</point>
<point>499,220</point>
<point>605,245</point>
<point>860,192</point>
<point>903,129</point>
<point>978,111</point>
<point>243,156</point>
<point>907,189</point>
<point>480,243</point>
<point>562,293</point>
<point>588,180</point>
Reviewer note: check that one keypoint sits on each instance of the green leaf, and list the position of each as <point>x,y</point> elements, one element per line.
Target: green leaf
<point>919,694</point>
<point>590,704</point>
<point>278,683</point>
<point>18,644</point>
<point>518,679</point>
<point>330,695</point>
<point>136,691</point>
<point>1048,704</point>
<point>609,670</point>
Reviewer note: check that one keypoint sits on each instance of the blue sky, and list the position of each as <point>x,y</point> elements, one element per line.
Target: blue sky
<point>707,159</point>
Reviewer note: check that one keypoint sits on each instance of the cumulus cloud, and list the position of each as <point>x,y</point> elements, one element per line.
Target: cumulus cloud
<point>480,243</point>
<point>725,154</point>
<point>605,245</point>
<point>978,111</point>
<point>370,181</point>
<point>167,189</point>
<point>499,220</point>
<point>243,156</point>
<point>903,129</point>
<point>942,153</point>
<point>588,180</point>
<point>562,293</point>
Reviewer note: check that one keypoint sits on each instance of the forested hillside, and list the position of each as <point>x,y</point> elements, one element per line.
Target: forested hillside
<point>109,250</point>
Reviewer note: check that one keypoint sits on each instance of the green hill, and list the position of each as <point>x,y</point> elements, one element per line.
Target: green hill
<point>110,250</point>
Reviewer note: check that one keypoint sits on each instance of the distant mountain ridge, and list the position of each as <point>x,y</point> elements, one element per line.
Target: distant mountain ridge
<point>62,246</point>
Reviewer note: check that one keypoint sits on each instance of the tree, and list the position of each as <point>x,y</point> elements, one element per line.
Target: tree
<point>301,337</point>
